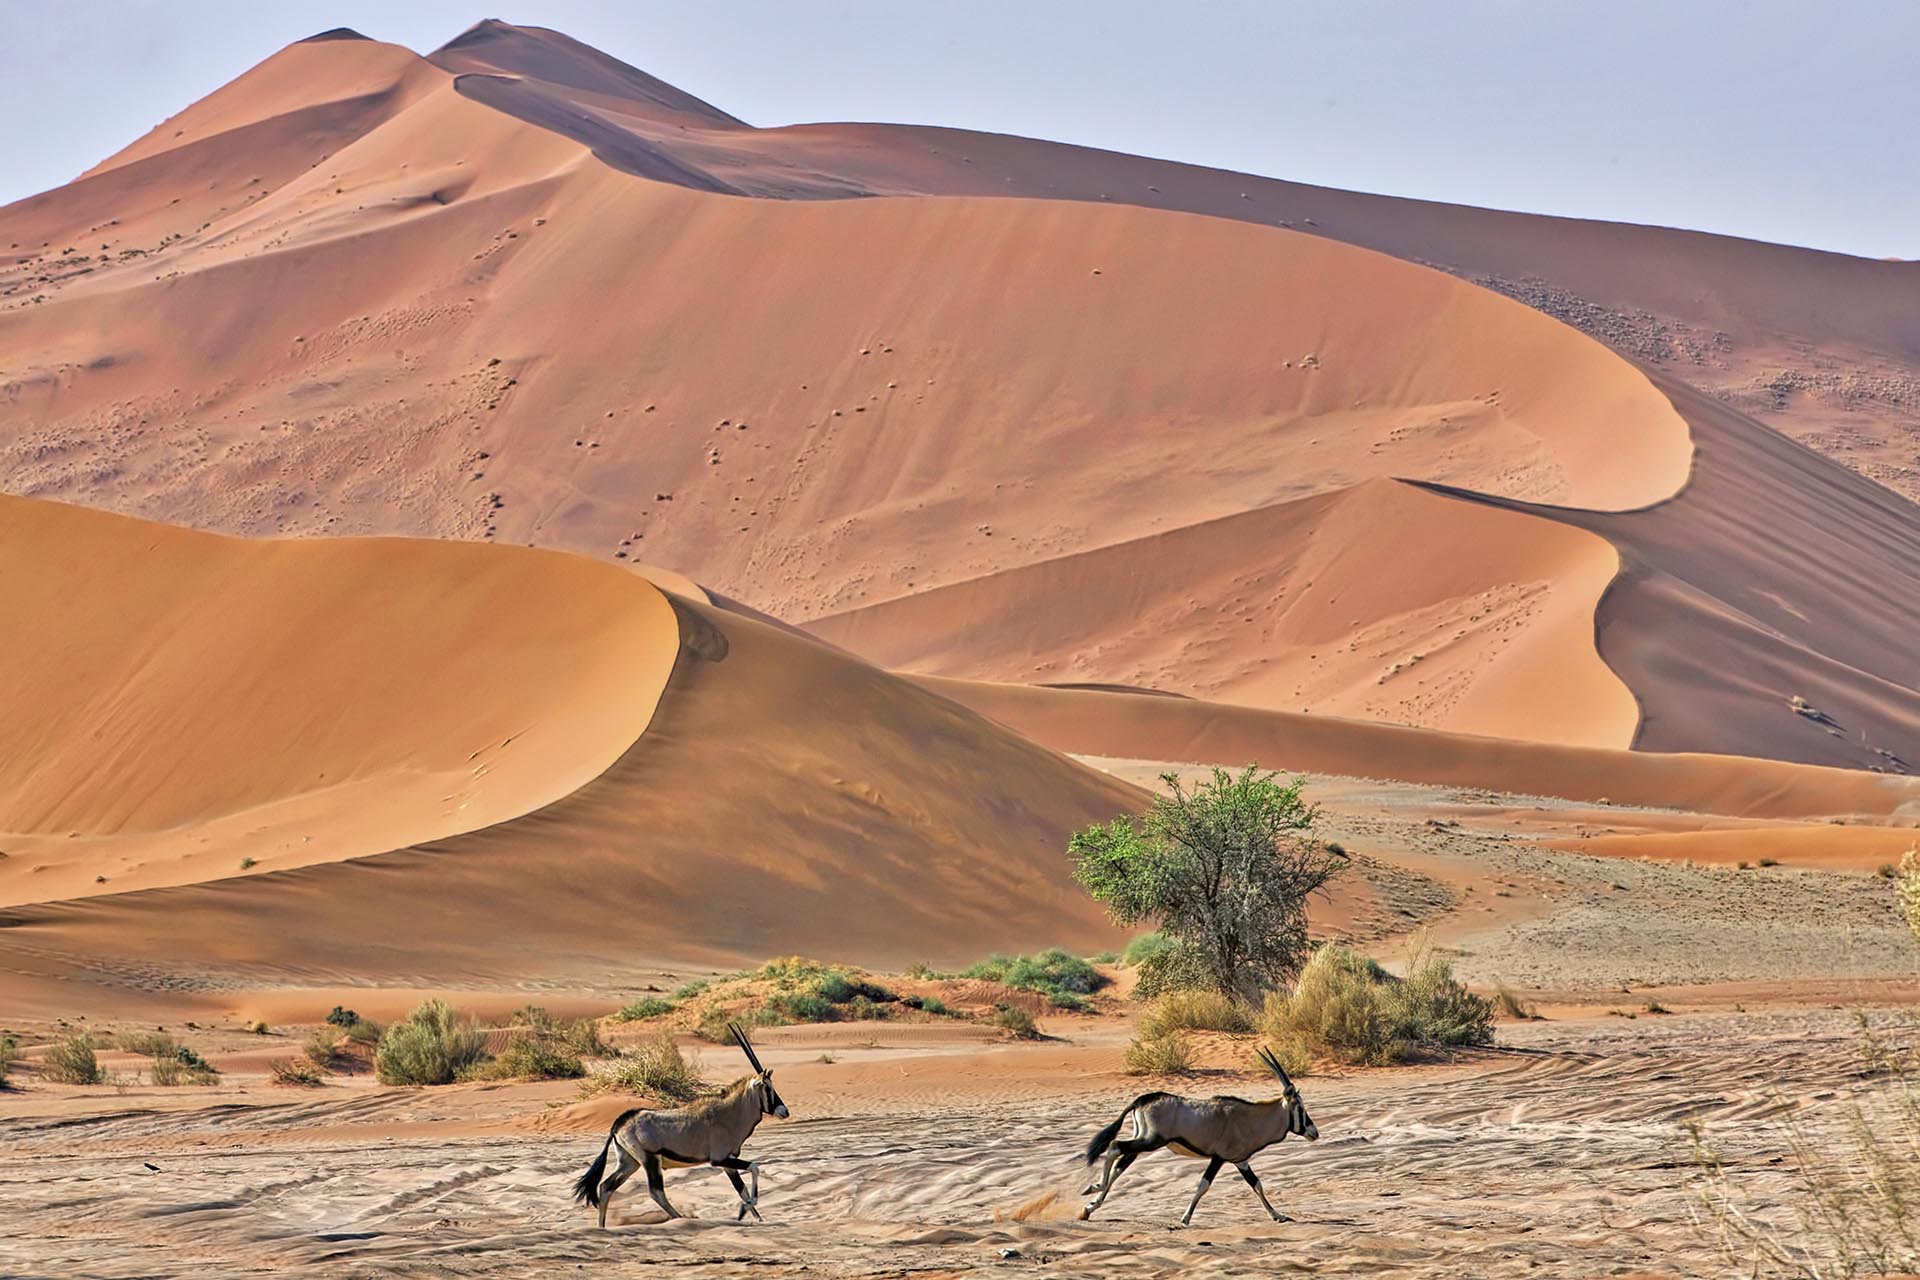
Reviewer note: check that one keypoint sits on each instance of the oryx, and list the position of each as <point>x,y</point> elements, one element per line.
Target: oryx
<point>1219,1130</point>
<point>710,1131</point>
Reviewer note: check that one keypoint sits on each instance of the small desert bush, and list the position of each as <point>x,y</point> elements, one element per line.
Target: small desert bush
<point>581,1036</point>
<point>432,1046</point>
<point>645,1007</point>
<point>72,1061</point>
<point>529,1057</point>
<point>688,990</point>
<point>1908,888</point>
<point>1345,1007</point>
<point>1195,1010</point>
<point>1064,979</point>
<point>342,1018</point>
<point>182,1066</point>
<point>9,1055</point>
<point>1015,1021</point>
<point>294,1073</point>
<point>1167,1053</point>
<point>654,1068</point>
<point>322,1049</point>
<point>365,1031</point>
<point>153,1044</point>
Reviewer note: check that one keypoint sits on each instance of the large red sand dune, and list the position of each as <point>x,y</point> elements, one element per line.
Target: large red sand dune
<point>511,292</point>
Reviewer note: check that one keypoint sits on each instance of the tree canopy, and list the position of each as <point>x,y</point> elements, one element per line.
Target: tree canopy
<point>1224,868</point>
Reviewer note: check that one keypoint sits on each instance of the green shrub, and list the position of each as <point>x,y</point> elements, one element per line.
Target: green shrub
<point>1015,1021</point>
<point>800,1006</point>
<point>9,1055</point>
<point>1225,870</point>
<point>1346,1007</point>
<point>1166,1054</point>
<point>365,1031</point>
<point>688,990</point>
<point>342,1018</point>
<point>654,1068</point>
<point>645,1007</point>
<point>1061,977</point>
<point>1195,1011</point>
<point>72,1061</point>
<point>432,1046</point>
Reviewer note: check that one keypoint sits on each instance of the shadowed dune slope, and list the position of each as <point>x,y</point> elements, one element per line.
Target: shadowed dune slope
<point>175,701</point>
<point>780,797</point>
<point>1143,726</point>
<point>1379,602</point>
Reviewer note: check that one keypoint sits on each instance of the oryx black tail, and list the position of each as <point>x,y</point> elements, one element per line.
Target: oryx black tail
<point>587,1189</point>
<point>1104,1139</point>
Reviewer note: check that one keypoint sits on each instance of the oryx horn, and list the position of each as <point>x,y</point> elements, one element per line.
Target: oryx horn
<point>740,1038</point>
<point>1273,1064</point>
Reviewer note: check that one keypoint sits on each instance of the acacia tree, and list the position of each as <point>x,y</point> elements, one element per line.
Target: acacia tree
<point>1225,869</point>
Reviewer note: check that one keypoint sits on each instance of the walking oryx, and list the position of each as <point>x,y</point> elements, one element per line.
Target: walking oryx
<point>710,1131</point>
<point>1219,1130</point>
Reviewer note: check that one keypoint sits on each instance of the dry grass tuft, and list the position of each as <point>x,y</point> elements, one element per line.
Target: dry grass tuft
<point>1195,1011</point>
<point>72,1061</point>
<point>1345,1007</point>
<point>1167,1054</point>
<point>294,1073</point>
<point>1856,1211</point>
<point>655,1068</point>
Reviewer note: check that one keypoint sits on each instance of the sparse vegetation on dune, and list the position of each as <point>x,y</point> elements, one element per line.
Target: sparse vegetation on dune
<point>1168,1053</point>
<point>9,1055</point>
<point>1196,1011</point>
<point>1066,980</point>
<point>1015,1021</point>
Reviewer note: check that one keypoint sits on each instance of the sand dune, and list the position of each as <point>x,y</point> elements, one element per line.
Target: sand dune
<point>506,306</point>
<point>177,701</point>
<point>1145,727</point>
<point>1379,602</point>
<point>424,744</point>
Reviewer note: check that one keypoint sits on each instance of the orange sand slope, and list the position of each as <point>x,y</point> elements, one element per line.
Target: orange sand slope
<point>437,739</point>
<point>1324,604</point>
<point>1144,726</point>
<point>176,699</point>
<point>498,294</point>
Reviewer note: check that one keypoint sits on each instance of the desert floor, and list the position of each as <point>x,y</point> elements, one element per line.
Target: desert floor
<point>938,1150</point>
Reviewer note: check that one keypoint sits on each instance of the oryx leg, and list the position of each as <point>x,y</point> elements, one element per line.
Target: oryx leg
<point>611,1183</point>
<point>1246,1171</point>
<point>656,1184</point>
<point>1119,1156</point>
<point>1206,1180</point>
<point>749,1203</point>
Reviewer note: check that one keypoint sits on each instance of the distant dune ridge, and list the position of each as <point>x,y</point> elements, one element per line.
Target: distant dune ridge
<point>914,419</point>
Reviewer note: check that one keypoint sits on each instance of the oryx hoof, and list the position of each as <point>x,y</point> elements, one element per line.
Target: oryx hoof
<point>1086,1211</point>
<point>1281,1217</point>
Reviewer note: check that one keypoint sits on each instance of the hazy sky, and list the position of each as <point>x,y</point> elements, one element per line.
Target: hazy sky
<point>1791,122</point>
